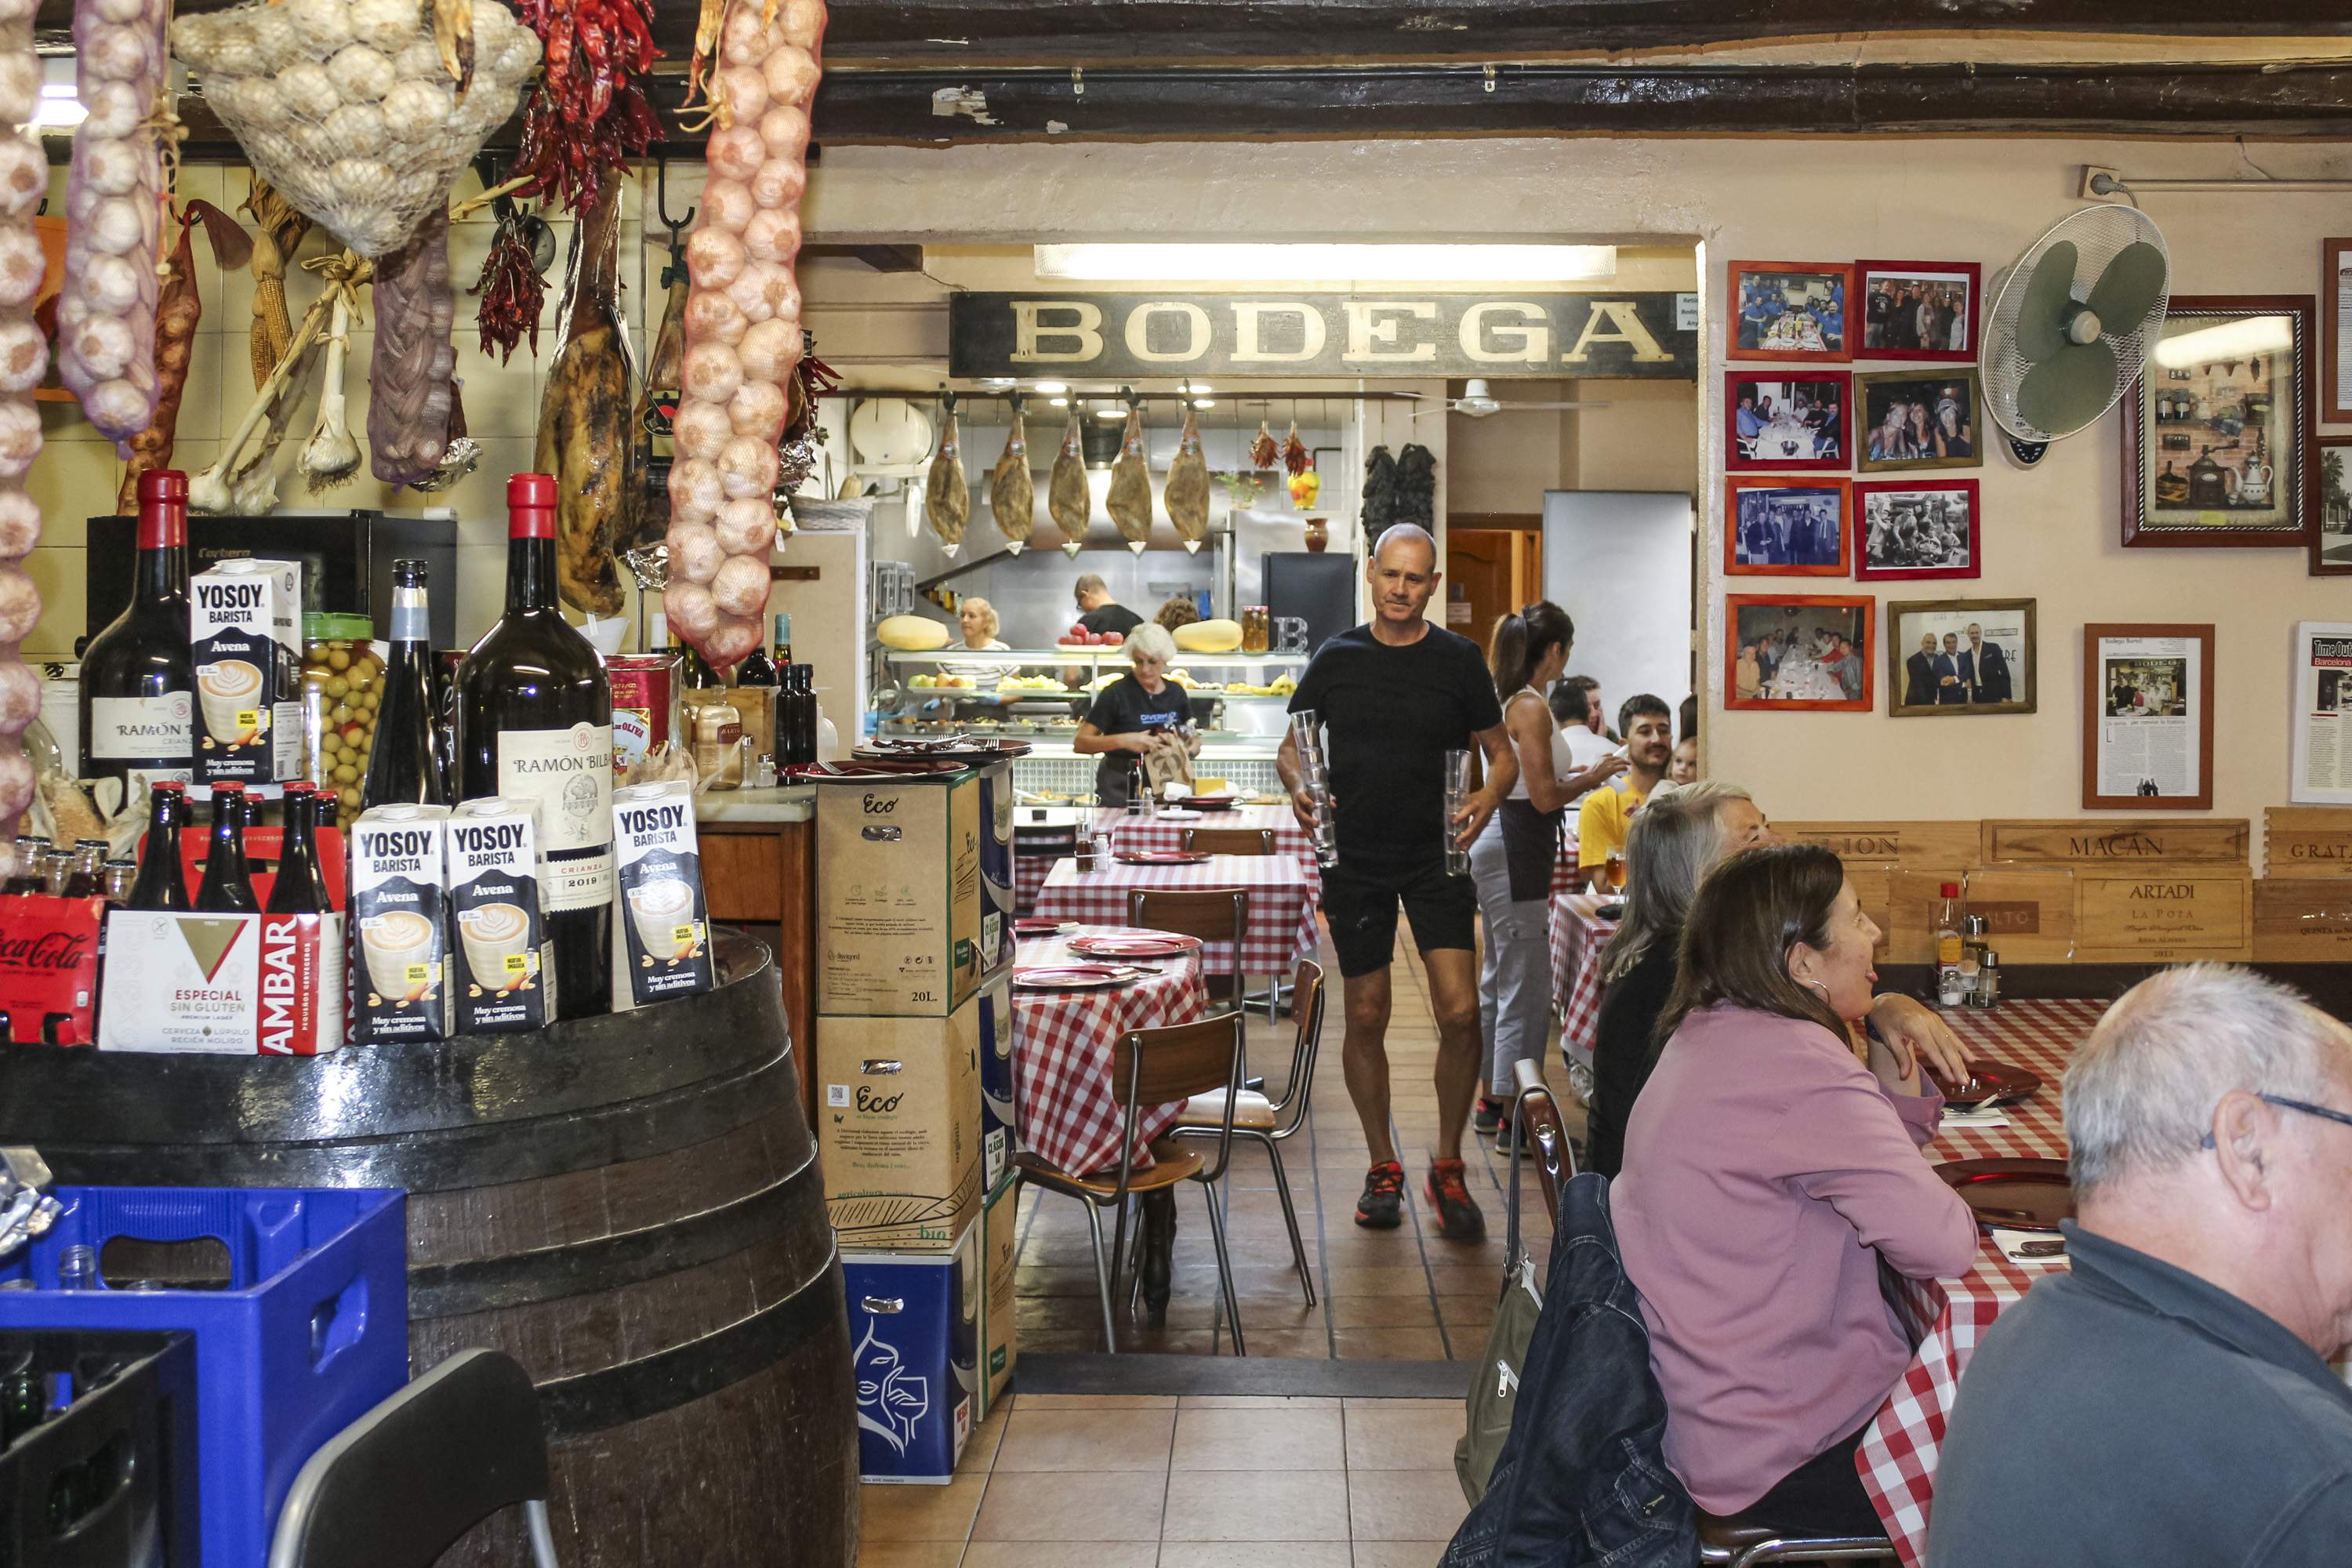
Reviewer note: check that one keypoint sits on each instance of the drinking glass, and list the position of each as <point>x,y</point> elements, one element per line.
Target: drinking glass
<point>1457,793</point>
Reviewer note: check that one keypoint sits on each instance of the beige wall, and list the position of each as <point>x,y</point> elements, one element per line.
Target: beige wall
<point>2051,533</point>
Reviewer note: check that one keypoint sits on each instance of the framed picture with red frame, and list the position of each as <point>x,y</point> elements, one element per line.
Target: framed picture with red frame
<point>1788,421</point>
<point>1799,653</point>
<point>1917,310</point>
<point>1912,530</point>
<point>1798,312</point>
<point>1778,525</point>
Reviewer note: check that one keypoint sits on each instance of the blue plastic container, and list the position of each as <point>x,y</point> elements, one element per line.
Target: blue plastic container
<point>913,1319</point>
<point>309,1330</point>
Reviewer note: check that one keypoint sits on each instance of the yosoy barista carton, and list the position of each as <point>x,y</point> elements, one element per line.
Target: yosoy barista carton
<point>399,924</point>
<point>503,959</point>
<point>244,641</point>
<point>661,930</point>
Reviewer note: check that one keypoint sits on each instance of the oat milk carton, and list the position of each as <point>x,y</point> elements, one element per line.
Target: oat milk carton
<point>661,930</point>
<point>399,924</point>
<point>244,641</point>
<point>502,960</point>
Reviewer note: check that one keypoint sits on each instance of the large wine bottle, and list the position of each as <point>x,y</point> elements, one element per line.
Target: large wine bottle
<point>403,769</point>
<point>137,691</point>
<point>534,720</point>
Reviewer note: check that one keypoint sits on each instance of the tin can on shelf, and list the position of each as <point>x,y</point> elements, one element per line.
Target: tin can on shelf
<point>646,689</point>
<point>343,683</point>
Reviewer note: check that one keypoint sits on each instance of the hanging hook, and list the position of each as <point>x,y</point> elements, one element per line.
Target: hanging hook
<point>674,269</point>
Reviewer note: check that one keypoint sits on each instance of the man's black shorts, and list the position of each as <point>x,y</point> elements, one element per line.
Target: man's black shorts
<point>1361,903</point>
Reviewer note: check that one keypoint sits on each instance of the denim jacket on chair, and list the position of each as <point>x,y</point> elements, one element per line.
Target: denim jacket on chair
<point>1582,1480</point>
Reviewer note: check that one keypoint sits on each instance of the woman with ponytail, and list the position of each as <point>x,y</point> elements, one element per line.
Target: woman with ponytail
<point>1512,860</point>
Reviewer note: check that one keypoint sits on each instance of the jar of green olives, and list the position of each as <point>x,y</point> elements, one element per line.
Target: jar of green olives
<point>342,682</point>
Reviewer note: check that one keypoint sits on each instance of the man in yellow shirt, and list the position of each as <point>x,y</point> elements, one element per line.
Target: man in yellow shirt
<point>1648,726</point>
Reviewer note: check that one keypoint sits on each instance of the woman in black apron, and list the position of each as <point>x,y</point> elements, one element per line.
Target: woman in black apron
<point>1135,713</point>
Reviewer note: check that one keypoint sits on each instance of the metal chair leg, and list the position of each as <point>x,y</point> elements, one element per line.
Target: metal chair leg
<point>1290,1216</point>
<point>1224,1267</point>
<point>1102,1279</point>
<point>1119,1247</point>
<point>542,1538</point>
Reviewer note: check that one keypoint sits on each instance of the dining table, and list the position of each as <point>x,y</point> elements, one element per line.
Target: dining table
<point>1948,1318</point>
<point>1579,933</point>
<point>1164,829</point>
<point>1064,1053</point>
<point>1281,928</point>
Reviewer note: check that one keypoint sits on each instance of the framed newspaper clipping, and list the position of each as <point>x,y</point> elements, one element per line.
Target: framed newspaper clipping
<point>2322,715</point>
<point>2148,718</point>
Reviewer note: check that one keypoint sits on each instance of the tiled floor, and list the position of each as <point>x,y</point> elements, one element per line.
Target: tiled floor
<point>1405,1294</point>
<point>1118,1481</point>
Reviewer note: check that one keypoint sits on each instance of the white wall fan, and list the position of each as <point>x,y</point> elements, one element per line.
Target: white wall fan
<point>2074,324</point>
<point>1476,403</point>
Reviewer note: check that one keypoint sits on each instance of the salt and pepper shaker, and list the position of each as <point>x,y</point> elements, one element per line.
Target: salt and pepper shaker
<point>1987,994</point>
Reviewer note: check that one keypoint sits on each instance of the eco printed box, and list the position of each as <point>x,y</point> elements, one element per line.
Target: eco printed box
<point>503,960</point>
<point>898,1129</point>
<point>661,933</point>
<point>245,636</point>
<point>898,879</point>
<point>400,928</point>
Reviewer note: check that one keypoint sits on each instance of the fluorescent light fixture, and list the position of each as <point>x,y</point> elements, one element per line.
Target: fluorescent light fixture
<point>59,108</point>
<point>1061,403</point>
<point>2228,340</point>
<point>1051,387</point>
<point>1205,402</point>
<point>1111,413</point>
<point>1301,263</point>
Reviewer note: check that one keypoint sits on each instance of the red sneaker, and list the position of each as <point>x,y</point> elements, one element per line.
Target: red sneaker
<point>1458,1219</point>
<point>1382,1204</point>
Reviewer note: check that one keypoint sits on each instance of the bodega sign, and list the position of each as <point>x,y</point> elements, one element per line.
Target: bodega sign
<point>1649,336</point>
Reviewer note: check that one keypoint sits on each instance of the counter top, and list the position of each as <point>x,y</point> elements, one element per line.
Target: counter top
<point>784,802</point>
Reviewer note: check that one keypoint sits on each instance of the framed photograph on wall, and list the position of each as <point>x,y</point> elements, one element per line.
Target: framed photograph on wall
<point>1913,420</point>
<point>2218,430</point>
<point>1786,421</point>
<point>1794,311</point>
<point>2331,539</point>
<point>2148,717</point>
<point>1918,310</point>
<point>2320,713</point>
<point>1956,657</point>
<point>1799,653</point>
<point>2335,332</point>
<point>1917,528</point>
<point>1785,527</point>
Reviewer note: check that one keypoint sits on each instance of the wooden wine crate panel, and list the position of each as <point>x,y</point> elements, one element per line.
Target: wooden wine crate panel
<point>1914,903</point>
<point>1911,844</point>
<point>2307,841</point>
<point>2078,841</point>
<point>2303,920</point>
<point>2162,915</point>
<point>2029,910</point>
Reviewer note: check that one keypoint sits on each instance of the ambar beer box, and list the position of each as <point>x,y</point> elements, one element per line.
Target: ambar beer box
<point>222,984</point>
<point>899,880</point>
<point>898,1129</point>
<point>914,1326</point>
<point>1000,1334</point>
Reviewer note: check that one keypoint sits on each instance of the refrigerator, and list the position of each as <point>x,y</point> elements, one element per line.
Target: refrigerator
<point>1318,588</point>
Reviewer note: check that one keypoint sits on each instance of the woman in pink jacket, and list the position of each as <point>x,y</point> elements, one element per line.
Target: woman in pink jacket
<point>1771,1165</point>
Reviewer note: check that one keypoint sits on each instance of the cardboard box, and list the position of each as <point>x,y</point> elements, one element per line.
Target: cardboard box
<point>999,1131</point>
<point>1000,1333</point>
<point>661,921</point>
<point>400,923</point>
<point>898,1129</point>
<point>222,984</point>
<point>914,1321</point>
<point>502,962</point>
<point>49,953</point>
<point>244,635</point>
<point>899,880</point>
<point>996,915</point>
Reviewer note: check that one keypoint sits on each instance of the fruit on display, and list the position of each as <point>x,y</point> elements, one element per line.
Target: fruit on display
<point>1209,637</point>
<point>943,683</point>
<point>912,634</point>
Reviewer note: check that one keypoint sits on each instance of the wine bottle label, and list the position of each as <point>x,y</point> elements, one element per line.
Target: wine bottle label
<point>128,729</point>
<point>570,774</point>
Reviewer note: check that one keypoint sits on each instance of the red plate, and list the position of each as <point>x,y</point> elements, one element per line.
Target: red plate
<point>1211,802</point>
<point>1161,857</point>
<point>1156,945</point>
<point>1989,1084</point>
<point>1073,976</point>
<point>2014,1194</point>
<point>1034,925</point>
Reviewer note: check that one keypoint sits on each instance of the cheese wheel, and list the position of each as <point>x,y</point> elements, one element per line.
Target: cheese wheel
<point>919,634</point>
<point>1209,637</point>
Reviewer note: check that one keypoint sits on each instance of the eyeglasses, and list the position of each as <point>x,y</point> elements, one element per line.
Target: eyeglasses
<point>2286,1104</point>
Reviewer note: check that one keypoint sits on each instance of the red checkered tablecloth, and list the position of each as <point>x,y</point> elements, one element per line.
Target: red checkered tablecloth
<point>1281,902</point>
<point>1948,1316</point>
<point>1062,1053</point>
<point>1577,935</point>
<point>1133,833</point>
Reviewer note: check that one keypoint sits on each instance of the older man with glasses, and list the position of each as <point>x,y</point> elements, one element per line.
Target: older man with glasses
<point>2170,1400</point>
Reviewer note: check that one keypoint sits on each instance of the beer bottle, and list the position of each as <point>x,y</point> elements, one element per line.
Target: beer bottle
<point>88,877</point>
<point>162,883</point>
<point>299,890</point>
<point>227,887</point>
<point>55,866</point>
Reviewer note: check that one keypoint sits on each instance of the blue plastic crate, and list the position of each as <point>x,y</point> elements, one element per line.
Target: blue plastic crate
<point>309,1332</point>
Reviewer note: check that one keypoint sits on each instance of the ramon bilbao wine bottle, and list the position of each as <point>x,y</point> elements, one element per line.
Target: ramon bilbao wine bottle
<point>534,720</point>
<point>138,693</point>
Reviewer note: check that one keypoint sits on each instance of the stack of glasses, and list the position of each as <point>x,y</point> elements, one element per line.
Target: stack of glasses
<point>1457,799</point>
<point>1315,778</point>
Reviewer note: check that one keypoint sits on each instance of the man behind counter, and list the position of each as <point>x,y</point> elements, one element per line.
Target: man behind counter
<point>1098,612</point>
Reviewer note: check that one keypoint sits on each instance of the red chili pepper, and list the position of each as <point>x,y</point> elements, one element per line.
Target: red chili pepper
<point>591,113</point>
<point>512,292</point>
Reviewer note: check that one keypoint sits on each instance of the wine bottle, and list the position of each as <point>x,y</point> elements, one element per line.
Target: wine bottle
<point>699,675</point>
<point>138,692</point>
<point>757,669</point>
<point>226,888</point>
<point>534,720</point>
<point>299,890</point>
<point>805,713</point>
<point>162,883</point>
<point>402,769</point>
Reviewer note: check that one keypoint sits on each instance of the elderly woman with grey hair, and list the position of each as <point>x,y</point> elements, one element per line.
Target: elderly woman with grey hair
<point>1141,712</point>
<point>1675,840</point>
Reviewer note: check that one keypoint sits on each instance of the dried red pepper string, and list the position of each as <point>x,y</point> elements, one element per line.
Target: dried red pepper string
<point>591,113</point>
<point>512,292</point>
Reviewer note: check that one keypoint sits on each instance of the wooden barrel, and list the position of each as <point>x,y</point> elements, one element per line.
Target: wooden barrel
<point>628,1205</point>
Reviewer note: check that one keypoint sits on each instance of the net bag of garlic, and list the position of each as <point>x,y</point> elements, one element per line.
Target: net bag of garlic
<point>346,107</point>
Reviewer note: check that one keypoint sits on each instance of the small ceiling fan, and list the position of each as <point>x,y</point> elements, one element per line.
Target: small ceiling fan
<point>1478,403</point>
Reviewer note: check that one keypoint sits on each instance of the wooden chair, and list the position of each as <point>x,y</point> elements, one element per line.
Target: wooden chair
<point>1211,914</point>
<point>1271,1121</point>
<point>1539,1120</point>
<point>1155,1068</point>
<point>1230,841</point>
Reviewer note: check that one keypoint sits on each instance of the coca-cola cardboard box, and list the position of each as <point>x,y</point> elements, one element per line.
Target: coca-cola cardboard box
<point>49,968</point>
